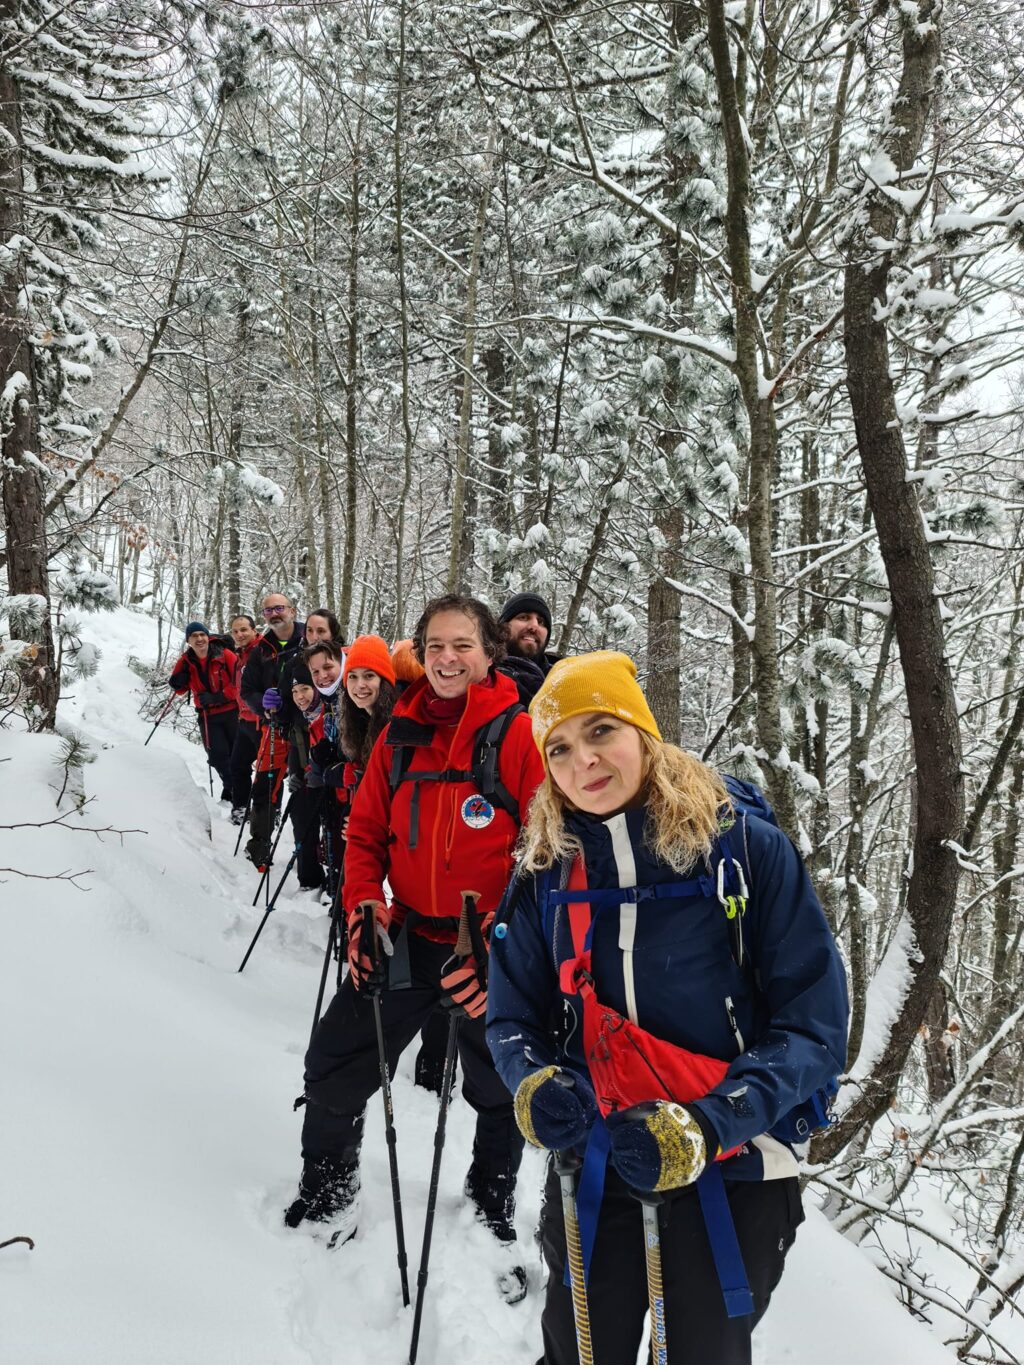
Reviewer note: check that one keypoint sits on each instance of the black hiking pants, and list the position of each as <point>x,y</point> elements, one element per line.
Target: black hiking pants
<point>305,813</point>
<point>342,1069</point>
<point>267,787</point>
<point>218,731</point>
<point>766,1214</point>
<point>243,756</point>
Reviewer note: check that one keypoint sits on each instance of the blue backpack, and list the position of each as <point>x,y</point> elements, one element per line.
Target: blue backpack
<point>815,1113</point>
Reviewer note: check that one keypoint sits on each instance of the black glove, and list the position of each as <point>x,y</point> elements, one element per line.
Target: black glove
<point>334,776</point>
<point>212,699</point>
<point>323,753</point>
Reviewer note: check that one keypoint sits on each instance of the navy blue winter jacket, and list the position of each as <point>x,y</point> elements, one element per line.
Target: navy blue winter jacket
<point>780,1020</point>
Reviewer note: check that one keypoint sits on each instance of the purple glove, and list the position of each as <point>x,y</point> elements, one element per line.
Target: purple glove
<point>271,699</point>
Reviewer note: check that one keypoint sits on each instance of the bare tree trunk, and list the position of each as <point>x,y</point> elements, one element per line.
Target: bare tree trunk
<point>459,560</point>
<point>761,420</point>
<point>348,564</point>
<point>24,496</point>
<point>401,578</point>
<point>935,726</point>
<point>679,285</point>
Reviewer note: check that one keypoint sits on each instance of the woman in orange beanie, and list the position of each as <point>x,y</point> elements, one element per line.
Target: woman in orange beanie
<point>369,697</point>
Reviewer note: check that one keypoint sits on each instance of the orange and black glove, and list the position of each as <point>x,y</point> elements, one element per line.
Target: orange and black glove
<point>464,978</point>
<point>369,946</point>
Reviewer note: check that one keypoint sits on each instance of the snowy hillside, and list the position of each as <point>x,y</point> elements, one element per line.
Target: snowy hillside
<point>149,1144</point>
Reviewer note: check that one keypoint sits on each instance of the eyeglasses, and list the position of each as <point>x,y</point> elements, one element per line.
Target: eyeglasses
<point>268,612</point>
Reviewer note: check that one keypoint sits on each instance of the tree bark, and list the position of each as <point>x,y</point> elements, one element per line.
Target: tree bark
<point>459,560</point>
<point>931,703</point>
<point>24,495</point>
<point>762,436</point>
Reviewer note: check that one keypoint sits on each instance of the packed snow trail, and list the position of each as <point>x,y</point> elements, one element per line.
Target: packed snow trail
<point>149,1143</point>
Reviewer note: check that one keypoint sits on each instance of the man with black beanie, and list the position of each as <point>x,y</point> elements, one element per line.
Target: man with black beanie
<point>527,618</point>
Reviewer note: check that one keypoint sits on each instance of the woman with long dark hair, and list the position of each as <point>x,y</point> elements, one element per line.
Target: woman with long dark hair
<point>368,697</point>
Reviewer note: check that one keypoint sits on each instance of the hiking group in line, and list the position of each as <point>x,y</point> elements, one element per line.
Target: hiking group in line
<point>621,945</point>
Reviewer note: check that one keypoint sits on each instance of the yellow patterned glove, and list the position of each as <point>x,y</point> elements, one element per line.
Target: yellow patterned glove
<point>658,1146</point>
<point>554,1108</point>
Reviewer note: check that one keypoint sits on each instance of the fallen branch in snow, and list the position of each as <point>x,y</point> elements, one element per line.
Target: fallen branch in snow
<point>65,876</point>
<point>61,822</point>
<point>12,1240</point>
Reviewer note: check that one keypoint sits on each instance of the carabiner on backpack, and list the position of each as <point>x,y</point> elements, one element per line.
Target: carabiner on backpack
<point>735,906</point>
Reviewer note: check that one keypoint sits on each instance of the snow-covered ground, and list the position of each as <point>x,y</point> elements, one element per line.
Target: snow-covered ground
<point>148,1142</point>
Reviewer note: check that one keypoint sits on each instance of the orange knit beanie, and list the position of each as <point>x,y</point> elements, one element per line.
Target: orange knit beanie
<point>407,667</point>
<point>370,651</point>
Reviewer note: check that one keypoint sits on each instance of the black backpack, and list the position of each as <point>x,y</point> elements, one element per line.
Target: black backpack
<point>405,735</point>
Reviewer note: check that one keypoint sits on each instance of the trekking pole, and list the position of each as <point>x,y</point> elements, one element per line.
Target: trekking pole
<point>567,1163</point>
<point>170,702</point>
<point>244,823</point>
<point>655,1289</point>
<point>204,730</point>
<point>295,852</point>
<point>248,805</point>
<point>332,938</point>
<point>463,948</point>
<point>270,862</point>
<point>273,902</point>
<point>392,1142</point>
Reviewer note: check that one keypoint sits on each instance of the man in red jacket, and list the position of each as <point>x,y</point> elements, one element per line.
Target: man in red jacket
<point>207,670</point>
<point>422,821</point>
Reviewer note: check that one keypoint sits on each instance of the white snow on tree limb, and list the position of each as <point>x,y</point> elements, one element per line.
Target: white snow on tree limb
<point>886,993</point>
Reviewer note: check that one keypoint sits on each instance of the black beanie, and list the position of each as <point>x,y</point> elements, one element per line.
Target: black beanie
<point>301,676</point>
<point>526,601</point>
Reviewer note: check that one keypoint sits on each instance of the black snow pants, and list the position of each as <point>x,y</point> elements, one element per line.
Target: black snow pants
<point>305,813</point>
<point>342,1069</point>
<point>267,788</point>
<point>766,1214</point>
<point>243,756</point>
<point>218,731</point>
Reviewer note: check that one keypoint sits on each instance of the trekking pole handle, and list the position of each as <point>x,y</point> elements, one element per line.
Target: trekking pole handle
<point>464,942</point>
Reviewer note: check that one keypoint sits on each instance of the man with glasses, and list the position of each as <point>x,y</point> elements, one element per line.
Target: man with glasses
<point>265,694</point>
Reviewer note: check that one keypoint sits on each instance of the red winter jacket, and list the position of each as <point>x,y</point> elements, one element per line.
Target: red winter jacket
<point>244,711</point>
<point>451,855</point>
<point>215,673</point>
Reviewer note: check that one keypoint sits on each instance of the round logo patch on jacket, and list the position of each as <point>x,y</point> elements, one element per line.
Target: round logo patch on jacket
<point>477,812</point>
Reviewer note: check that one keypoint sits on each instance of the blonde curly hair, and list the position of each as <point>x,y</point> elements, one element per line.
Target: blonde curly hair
<point>685,802</point>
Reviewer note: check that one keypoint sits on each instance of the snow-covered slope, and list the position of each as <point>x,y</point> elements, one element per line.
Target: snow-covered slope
<point>148,1142</point>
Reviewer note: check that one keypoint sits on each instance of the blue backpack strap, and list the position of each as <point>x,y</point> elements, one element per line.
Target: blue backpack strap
<point>725,1247</point>
<point>590,1192</point>
<point>599,898</point>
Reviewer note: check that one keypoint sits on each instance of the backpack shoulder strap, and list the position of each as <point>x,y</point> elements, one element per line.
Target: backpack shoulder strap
<point>403,735</point>
<point>486,758</point>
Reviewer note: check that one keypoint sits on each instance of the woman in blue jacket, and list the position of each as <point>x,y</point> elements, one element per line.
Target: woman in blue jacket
<point>666,1000</point>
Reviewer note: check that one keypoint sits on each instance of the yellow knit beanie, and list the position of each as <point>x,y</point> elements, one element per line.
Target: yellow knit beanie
<point>603,681</point>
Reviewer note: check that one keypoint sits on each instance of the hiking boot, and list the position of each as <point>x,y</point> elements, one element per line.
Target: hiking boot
<point>328,1191</point>
<point>238,815</point>
<point>429,1071</point>
<point>495,1200</point>
<point>257,850</point>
